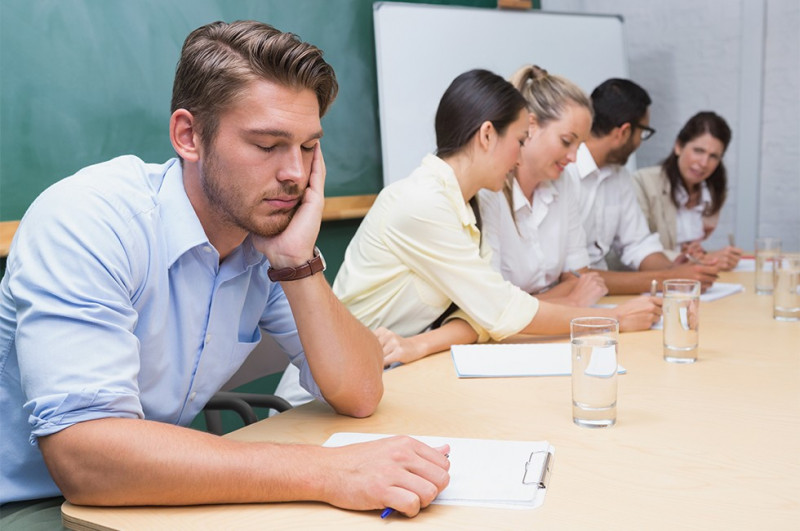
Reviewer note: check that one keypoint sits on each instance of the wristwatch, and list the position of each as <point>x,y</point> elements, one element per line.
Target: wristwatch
<point>313,266</point>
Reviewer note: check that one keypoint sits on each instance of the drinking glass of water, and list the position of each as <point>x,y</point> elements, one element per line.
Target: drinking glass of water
<point>786,292</point>
<point>681,310</point>
<point>767,251</point>
<point>594,371</point>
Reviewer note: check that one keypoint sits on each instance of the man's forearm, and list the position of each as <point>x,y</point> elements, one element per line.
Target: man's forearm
<point>116,461</point>
<point>345,357</point>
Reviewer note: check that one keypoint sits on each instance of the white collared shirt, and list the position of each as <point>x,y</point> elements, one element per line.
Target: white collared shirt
<point>541,240</point>
<point>610,213</point>
<point>690,220</point>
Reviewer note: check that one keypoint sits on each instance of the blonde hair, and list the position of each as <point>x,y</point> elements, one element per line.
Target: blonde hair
<point>547,96</point>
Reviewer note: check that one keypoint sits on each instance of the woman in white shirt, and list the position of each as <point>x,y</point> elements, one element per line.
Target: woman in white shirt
<point>533,224</point>
<point>683,197</point>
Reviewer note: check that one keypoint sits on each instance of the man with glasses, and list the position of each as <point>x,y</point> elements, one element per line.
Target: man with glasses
<point>616,229</point>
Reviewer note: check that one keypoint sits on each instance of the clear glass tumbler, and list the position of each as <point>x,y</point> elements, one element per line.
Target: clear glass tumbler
<point>594,371</point>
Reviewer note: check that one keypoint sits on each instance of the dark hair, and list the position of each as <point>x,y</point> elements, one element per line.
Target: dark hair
<point>473,98</point>
<point>616,102</point>
<point>218,60</point>
<point>699,124</point>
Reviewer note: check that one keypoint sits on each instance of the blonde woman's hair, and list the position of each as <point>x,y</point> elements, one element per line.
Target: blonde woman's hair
<point>547,96</point>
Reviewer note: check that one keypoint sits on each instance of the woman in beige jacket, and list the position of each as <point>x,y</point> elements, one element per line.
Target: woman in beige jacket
<point>682,198</point>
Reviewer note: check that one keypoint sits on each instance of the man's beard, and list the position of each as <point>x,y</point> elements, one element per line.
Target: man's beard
<point>227,204</point>
<point>621,154</point>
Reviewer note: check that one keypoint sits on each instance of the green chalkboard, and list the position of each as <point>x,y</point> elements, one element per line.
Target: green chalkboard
<point>82,81</point>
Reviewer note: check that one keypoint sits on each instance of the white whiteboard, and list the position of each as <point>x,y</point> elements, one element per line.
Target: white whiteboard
<point>421,48</point>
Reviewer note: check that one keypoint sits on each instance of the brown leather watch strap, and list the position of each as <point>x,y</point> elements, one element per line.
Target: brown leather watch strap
<point>313,266</point>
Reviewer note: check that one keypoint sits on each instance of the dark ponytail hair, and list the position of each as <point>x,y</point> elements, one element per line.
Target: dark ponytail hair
<point>473,98</point>
<point>717,183</point>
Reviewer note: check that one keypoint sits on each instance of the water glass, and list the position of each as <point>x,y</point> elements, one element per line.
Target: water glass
<point>767,251</point>
<point>594,371</point>
<point>786,293</point>
<point>681,310</point>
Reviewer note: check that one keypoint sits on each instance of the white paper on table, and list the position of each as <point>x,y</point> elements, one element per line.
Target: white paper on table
<point>717,291</point>
<point>483,472</point>
<point>745,265</point>
<point>495,360</point>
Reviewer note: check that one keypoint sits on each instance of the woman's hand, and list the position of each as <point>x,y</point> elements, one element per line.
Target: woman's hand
<point>639,313</point>
<point>397,348</point>
<point>727,258</point>
<point>587,290</point>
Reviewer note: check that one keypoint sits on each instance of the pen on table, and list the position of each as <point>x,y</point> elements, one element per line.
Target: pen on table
<point>691,258</point>
<point>386,512</point>
<point>653,287</point>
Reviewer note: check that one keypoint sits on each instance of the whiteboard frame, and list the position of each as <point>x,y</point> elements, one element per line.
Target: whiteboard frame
<point>421,48</point>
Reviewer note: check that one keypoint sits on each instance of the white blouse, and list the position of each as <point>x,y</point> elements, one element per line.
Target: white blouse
<point>690,220</point>
<point>541,240</point>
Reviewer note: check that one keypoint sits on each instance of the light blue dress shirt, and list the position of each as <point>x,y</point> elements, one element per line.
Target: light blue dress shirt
<point>114,304</point>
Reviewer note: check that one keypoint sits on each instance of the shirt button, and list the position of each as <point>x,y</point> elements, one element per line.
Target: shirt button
<point>191,396</point>
<point>207,248</point>
<point>208,339</point>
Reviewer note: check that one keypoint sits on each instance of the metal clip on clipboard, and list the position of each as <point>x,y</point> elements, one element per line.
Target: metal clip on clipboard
<point>544,474</point>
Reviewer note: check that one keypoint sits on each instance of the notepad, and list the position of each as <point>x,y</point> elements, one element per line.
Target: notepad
<point>498,360</point>
<point>484,472</point>
<point>745,265</point>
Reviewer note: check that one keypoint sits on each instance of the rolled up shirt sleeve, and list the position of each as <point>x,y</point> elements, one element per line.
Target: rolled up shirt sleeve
<point>77,353</point>
<point>634,241</point>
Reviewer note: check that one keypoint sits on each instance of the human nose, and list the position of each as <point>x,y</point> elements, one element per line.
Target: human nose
<point>293,166</point>
<point>572,154</point>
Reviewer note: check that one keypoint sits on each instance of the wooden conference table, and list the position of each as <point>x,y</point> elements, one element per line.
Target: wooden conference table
<point>713,445</point>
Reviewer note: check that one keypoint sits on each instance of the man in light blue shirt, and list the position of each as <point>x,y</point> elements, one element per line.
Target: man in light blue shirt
<point>133,291</point>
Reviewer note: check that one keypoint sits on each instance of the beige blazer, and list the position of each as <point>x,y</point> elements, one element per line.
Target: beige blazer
<point>653,192</point>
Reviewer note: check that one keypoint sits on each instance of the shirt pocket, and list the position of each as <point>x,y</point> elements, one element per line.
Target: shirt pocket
<point>242,349</point>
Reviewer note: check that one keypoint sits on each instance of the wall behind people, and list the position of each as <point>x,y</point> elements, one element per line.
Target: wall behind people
<point>718,55</point>
<point>85,80</point>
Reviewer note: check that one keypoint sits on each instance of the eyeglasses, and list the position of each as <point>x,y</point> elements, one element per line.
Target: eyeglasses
<point>647,132</point>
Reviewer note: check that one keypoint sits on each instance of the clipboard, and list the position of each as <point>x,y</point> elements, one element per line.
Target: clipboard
<point>484,472</point>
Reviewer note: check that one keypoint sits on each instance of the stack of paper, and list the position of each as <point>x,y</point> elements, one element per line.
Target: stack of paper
<point>513,359</point>
<point>484,472</point>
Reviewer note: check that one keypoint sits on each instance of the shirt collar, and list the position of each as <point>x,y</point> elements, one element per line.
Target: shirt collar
<point>182,228</point>
<point>705,196</point>
<point>585,162</point>
<point>452,190</point>
<point>546,192</point>
<point>587,166</point>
